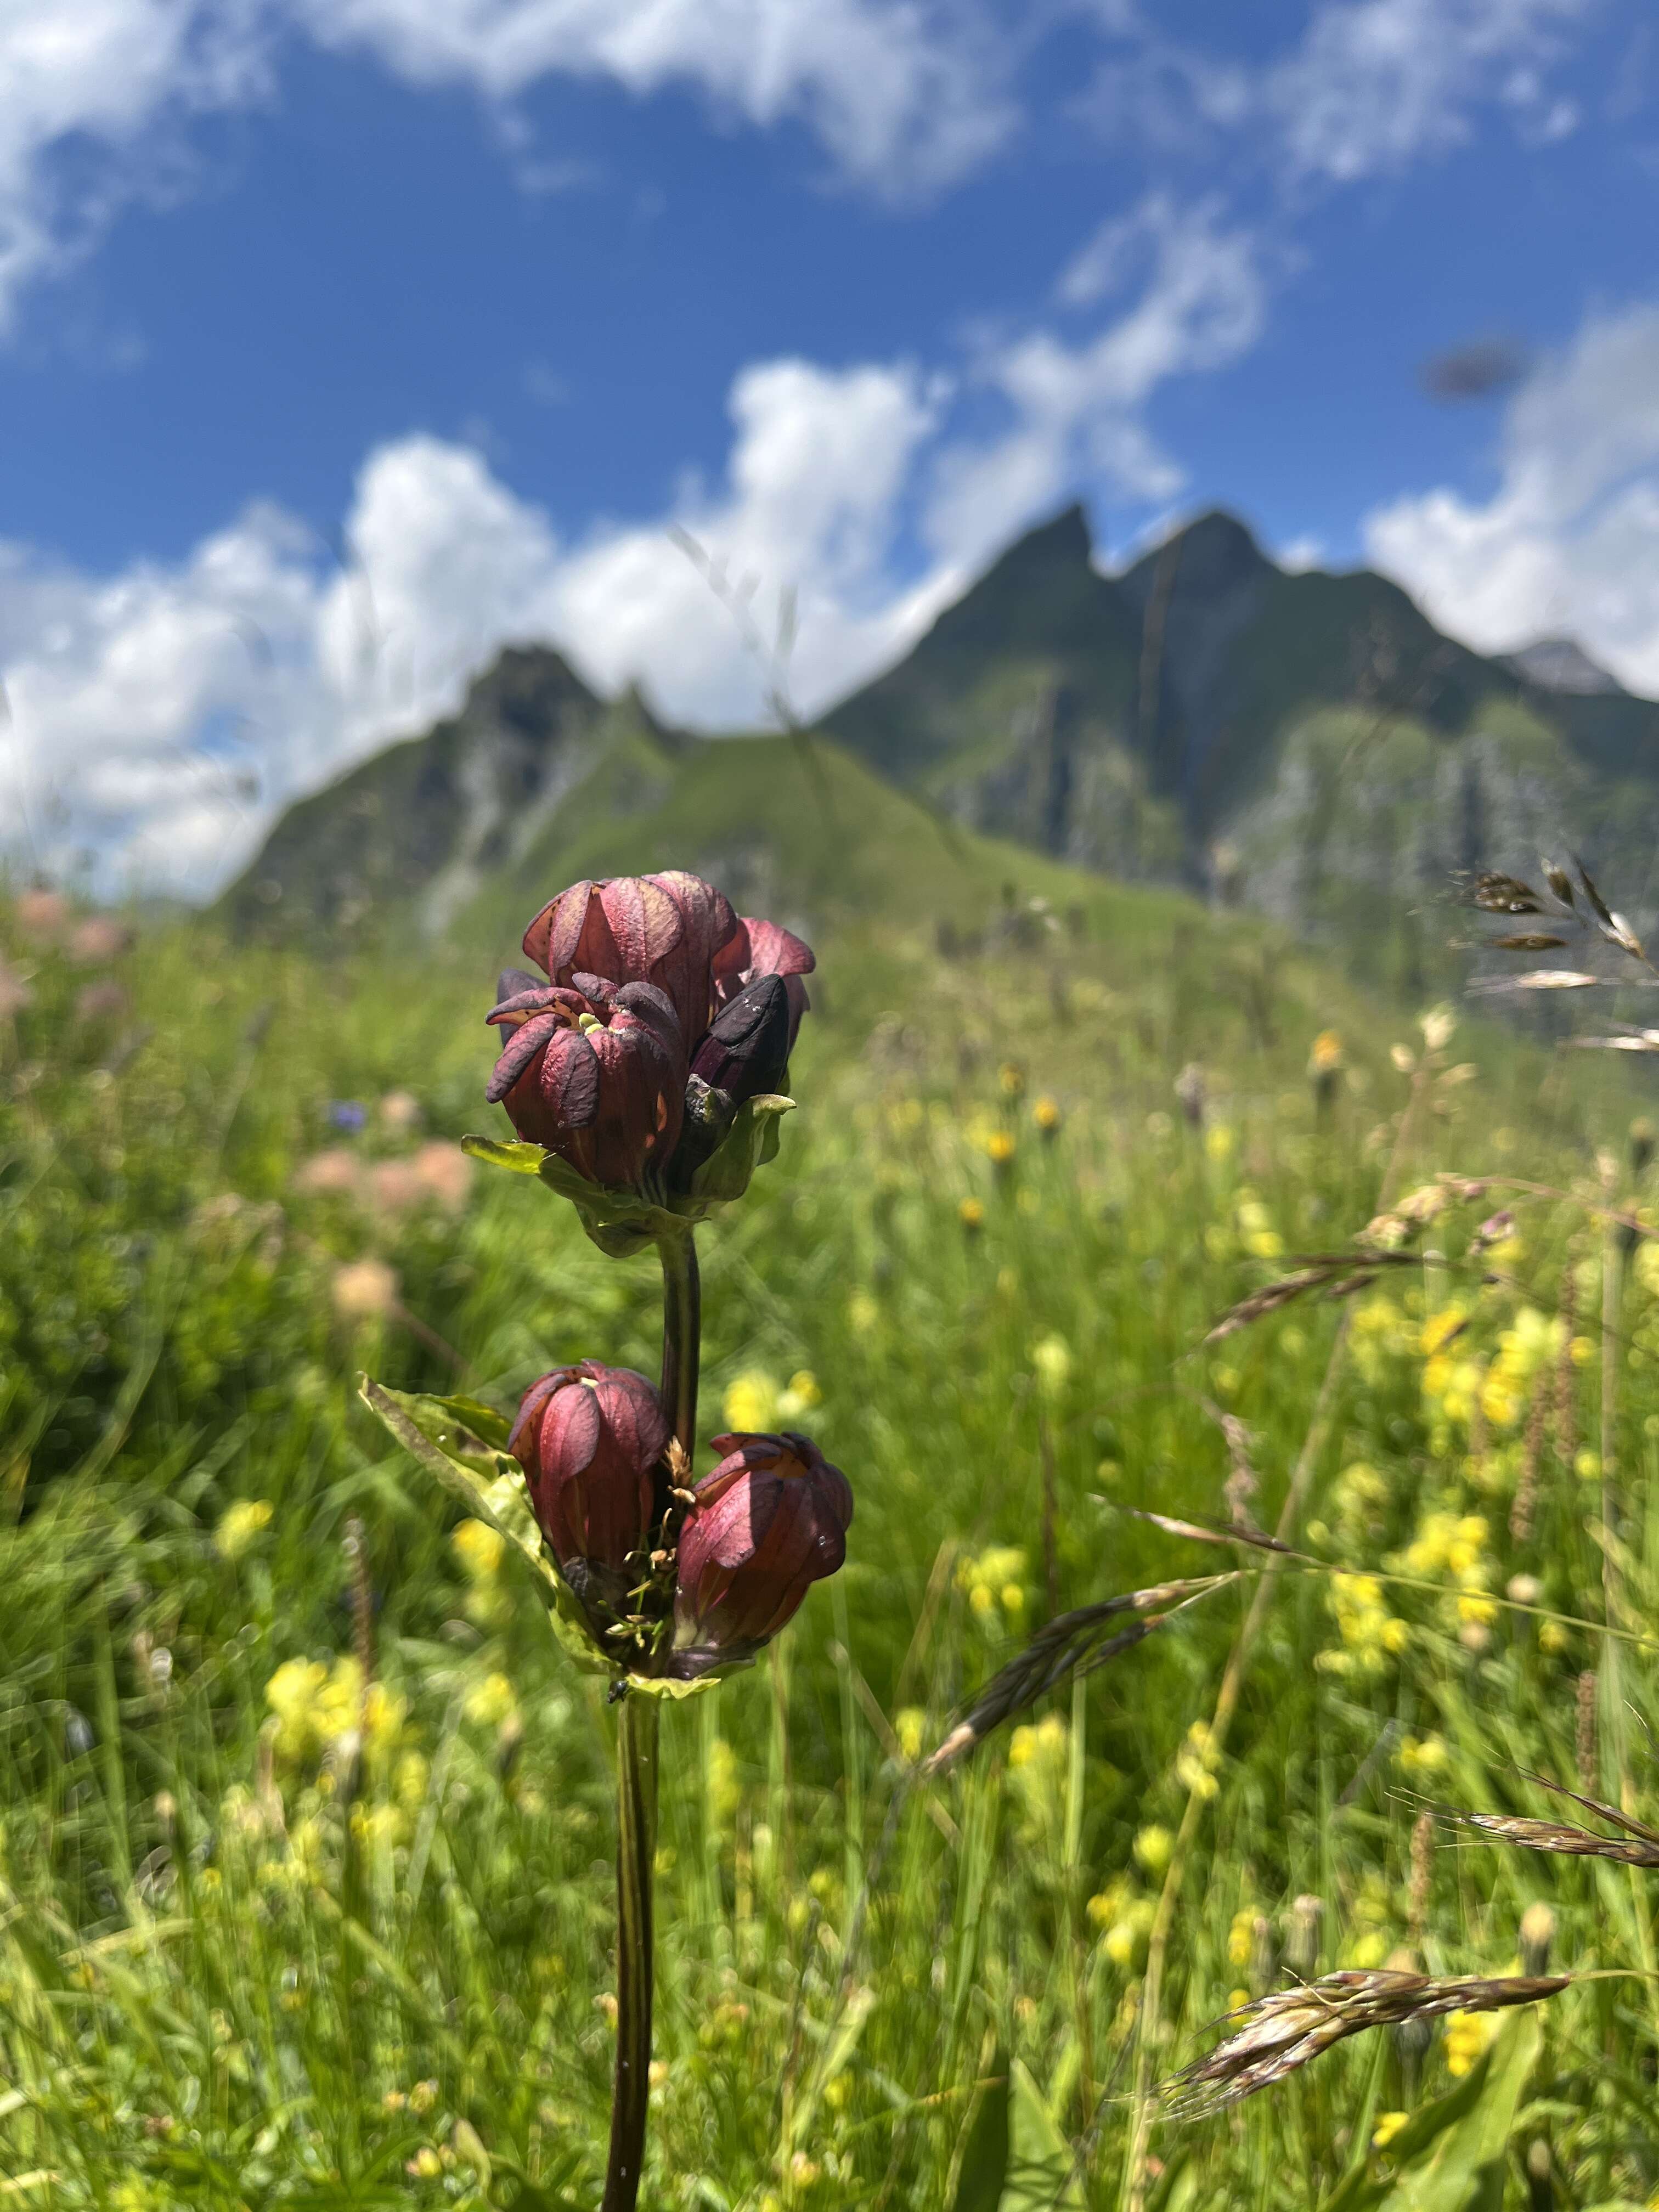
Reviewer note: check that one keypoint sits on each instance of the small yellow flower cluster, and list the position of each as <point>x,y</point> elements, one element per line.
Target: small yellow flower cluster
<point>1197,1760</point>
<point>240,1526</point>
<point>480,1550</point>
<point>1037,1759</point>
<point>490,1702</point>
<point>1453,1544</point>
<point>1152,1848</point>
<point>1051,1359</point>
<point>910,1727</point>
<point>315,1705</point>
<point>1241,1938</point>
<point>1389,2125</point>
<point>1532,1342</point>
<point>1255,1229</point>
<point>1327,1057</point>
<point>1382,1335</point>
<point>1360,1497</point>
<point>754,1404</point>
<point>994,1580</point>
<point>1371,1635</point>
<point>1467,2034</point>
<point>1421,1756</point>
<point>1125,1918</point>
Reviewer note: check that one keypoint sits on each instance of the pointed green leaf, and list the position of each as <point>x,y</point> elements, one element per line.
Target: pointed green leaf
<point>504,1152</point>
<point>984,2166</point>
<point>1452,2154</point>
<point>489,1483</point>
<point>1042,2174</point>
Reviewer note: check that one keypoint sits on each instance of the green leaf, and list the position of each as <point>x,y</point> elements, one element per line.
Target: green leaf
<point>1452,2155</point>
<point>751,1141</point>
<point>436,1433</point>
<point>1042,2174</point>
<point>499,1152</point>
<point>985,2155</point>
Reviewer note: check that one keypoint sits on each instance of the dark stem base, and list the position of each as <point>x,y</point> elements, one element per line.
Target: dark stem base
<point>636,1847</point>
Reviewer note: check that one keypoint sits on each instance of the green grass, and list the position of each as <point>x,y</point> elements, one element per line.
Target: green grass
<point>238,1968</point>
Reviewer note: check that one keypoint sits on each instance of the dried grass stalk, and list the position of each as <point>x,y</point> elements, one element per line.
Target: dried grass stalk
<point>1071,1644</point>
<point>1286,2030</point>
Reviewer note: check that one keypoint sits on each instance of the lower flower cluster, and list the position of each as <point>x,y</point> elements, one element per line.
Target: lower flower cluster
<point>672,1578</point>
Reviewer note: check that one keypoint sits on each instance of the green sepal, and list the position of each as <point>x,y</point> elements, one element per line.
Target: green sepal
<point>663,1686</point>
<point>749,1143</point>
<point>623,1223</point>
<point>497,1152</point>
<point>441,1433</point>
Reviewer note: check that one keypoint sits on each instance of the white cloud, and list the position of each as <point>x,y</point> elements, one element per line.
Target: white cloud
<point>142,705</point>
<point>1377,83</point>
<point>160,716</point>
<point>1077,407</point>
<point>96,78</point>
<point>903,93</point>
<point>1369,86</point>
<point>1569,541</point>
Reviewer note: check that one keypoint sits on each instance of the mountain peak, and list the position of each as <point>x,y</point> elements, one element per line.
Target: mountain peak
<point>1060,545</point>
<point>1215,551</point>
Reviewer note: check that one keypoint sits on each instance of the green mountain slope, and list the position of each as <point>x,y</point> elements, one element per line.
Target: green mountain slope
<point>1305,744</point>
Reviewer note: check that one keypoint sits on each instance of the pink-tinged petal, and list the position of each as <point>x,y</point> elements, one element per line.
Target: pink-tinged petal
<point>776,952</point>
<point>552,939</point>
<point>571,1079</point>
<point>521,1049</point>
<point>589,1443</point>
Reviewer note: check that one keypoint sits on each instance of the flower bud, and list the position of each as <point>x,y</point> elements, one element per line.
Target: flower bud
<point>770,1521</point>
<point>589,1438</point>
<point>760,948</point>
<point>593,1073</point>
<point>746,1051</point>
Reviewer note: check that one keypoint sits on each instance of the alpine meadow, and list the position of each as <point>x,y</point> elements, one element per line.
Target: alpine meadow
<point>1191,1390</point>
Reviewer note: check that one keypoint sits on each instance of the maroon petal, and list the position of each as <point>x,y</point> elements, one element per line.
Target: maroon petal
<point>522,1048</point>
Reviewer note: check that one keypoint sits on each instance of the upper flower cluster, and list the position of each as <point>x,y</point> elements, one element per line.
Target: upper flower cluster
<point>664,1014</point>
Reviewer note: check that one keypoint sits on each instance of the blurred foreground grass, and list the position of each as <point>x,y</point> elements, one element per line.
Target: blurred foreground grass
<point>248,1960</point>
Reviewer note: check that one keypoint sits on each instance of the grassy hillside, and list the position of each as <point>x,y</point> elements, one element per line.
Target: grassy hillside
<point>242,1965</point>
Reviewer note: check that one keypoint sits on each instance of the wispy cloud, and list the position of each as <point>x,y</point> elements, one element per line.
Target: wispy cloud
<point>1368,87</point>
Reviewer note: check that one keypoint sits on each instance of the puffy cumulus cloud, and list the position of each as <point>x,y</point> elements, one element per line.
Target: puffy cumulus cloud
<point>1075,407</point>
<point>1565,543</point>
<point>160,716</point>
<point>904,93</point>
<point>157,717</point>
<point>821,464</point>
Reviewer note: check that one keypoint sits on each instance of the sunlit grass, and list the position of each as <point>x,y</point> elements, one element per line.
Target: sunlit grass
<point>244,1962</point>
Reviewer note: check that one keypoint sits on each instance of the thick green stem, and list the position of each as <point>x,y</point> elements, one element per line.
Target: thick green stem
<point>636,1776</point>
<point>682,1333</point>
<point>636,1849</point>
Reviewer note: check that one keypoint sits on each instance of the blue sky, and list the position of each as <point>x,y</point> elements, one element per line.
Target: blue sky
<point>341,340</point>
